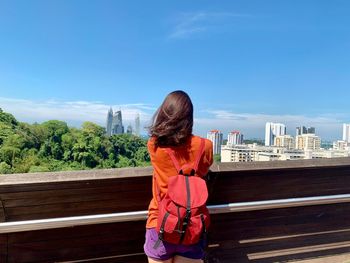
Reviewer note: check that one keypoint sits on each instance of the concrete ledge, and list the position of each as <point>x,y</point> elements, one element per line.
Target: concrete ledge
<point>100,174</point>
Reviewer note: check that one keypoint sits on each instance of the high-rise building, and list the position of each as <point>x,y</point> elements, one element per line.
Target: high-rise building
<point>285,141</point>
<point>307,142</point>
<point>114,123</point>
<point>311,130</point>
<point>129,129</point>
<point>117,123</point>
<point>216,137</point>
<point>234,138</point>
<point>272,130</point>
<point>137,125</point>
<point>346,132</point>
<point>109,122</point>
<point>300,130</point>
<point>303,130</point>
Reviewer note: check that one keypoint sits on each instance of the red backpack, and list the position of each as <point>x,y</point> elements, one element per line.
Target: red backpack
<point>183,217</point>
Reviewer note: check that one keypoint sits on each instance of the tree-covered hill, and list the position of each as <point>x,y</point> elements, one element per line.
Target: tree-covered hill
<point>53,146</point>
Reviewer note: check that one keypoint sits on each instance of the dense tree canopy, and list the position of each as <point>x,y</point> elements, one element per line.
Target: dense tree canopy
<point>53,146</point>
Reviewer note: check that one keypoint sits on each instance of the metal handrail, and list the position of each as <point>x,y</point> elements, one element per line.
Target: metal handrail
<point>50,223</point>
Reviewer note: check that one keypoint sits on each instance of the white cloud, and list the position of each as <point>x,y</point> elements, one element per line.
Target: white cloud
<point>188,24</point>
<point>73,112</point>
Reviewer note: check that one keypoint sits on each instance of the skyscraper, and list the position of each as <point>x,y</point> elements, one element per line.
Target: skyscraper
<point>234,138</point>
<point>272,130</point>
<point>303,130</point>
<point>311,130</point>
<point>307,142</point>
<point>109,122</point>
<point>129,129</point>
<point>300,130</point>
<point>117,123</point>
<point>285,141</point>
<point>216,137</point>
<point>137,125</point>
<point>114,123</point>
<point>346,132</point>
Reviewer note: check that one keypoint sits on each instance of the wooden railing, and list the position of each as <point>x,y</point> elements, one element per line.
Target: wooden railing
<point>261,212</point>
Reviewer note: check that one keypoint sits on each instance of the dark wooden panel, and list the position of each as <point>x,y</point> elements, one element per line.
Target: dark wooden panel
<point>3,247</point>
<point>2,212</point>
<point>124,182</point>
<point>281,234</point>
<point>108,197</point>
<point>277,222</point>
<point>132,203</point>
<point>104,240</point>
<point>243,186</point>
<point>260,236</point>
<point>115,187</point>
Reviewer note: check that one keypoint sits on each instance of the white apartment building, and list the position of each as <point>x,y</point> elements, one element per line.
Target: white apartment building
<point>256,153</point>
<point>307,142</point>
<point>272,130</point>
<point>234,138</point>
<point>285,141</point>
<point>346,132</point>
<point>341,145</point>
<point>215,136</point>
<point>280,154</point>
<point>330,153</point>
<point>241,153</point>
<point>236,153</point>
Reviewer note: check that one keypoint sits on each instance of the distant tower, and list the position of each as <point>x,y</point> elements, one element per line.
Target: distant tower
<point>137,125</point>
<point>303,130</point>
<point>117,123</point>
<point>346,132</point>
<point>311,130</point>
<point>216,137</point>
<point>300,130</point>
<point>129,129</point>
<point>109,122</point>
<point>307,142</point>
<point>272,130</point>
<point>234,138</point>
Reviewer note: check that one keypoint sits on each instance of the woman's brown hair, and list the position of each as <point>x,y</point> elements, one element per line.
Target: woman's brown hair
<point>173,121</point>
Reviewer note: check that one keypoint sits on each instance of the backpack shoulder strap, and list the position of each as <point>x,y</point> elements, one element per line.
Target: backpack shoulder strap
<point>173,158</point>
<point>198,157</point>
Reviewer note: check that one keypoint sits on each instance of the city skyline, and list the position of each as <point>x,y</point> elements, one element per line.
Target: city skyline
<point>114,124</point>
<point>133,114</point>
<point>243,64</point>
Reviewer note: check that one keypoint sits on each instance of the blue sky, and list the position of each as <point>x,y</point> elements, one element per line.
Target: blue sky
<point>242,62</point>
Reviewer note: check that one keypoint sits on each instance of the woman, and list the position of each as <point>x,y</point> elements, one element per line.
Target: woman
<point>172,129</point>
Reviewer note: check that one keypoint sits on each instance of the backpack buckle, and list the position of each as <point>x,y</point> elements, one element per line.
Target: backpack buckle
<point>187,216</point>
<point>161,234</point>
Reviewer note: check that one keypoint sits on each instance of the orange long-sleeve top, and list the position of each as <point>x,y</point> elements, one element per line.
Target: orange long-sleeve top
<point>163,168</point>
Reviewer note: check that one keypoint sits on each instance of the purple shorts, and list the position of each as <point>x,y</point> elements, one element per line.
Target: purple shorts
<point>167,250</point>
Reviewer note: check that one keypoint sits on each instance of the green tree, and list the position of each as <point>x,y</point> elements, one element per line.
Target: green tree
<point>54,130</point>
<point>142,156</point>
<point>90,128</point>
<point>5,168</point>
<point>8,124</point>
<point>53,146</point>
<point>217,158</point>
<point>9,154</point>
